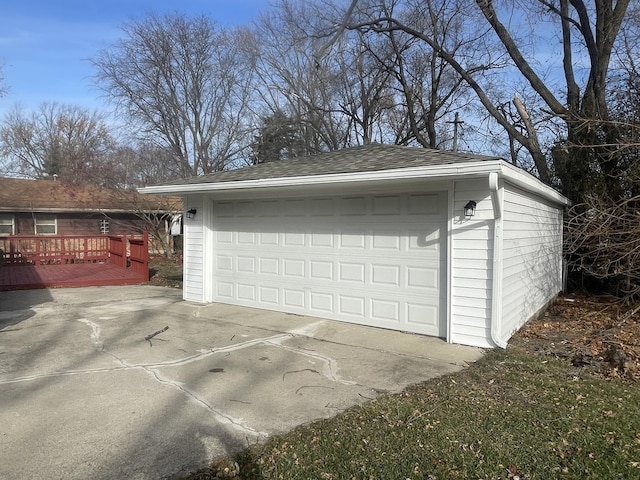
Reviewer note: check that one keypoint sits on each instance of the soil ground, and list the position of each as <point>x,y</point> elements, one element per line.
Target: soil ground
<point>165,272</point>
<point>598,335</point>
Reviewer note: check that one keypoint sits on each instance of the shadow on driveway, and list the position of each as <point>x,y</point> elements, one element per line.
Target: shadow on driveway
<point>84,395</point>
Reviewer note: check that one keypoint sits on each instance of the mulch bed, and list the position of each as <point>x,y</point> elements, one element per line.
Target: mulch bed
<point>598,335</point>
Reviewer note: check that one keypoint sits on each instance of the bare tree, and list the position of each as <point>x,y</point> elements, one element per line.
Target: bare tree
<point>186,82</point>
<point>431,90</point>
<point>64,140</point>
<point>591,26</point>
<point>293,81</point>
<point>157,213</point>
<point>602,241</point>
<point>141,164</point>
<point>337,99</point>
<point>3,88</point>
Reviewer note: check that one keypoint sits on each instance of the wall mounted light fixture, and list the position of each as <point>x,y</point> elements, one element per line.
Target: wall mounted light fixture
<point>470,209</point>
<point>191,213</point>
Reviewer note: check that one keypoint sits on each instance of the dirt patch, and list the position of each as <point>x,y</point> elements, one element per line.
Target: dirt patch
<point>165,272</point>
<point>594,334</point>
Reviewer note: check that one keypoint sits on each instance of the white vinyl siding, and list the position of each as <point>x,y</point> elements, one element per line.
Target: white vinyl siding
<point>471,265</point>
<point>193,288</point>
<point>372,259</point>
<point>532,257</point>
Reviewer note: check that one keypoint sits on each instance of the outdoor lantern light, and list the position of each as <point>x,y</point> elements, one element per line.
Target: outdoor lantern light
<point>470,209</point>
<point>191,213</point>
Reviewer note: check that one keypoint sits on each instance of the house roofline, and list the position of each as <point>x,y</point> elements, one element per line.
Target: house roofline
<point>84,210</point>
<point>509,172</point>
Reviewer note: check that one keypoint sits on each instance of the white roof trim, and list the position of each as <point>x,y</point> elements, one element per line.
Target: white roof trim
<point>432,172</point>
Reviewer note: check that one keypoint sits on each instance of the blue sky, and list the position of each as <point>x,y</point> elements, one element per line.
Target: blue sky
<point>45,44</point>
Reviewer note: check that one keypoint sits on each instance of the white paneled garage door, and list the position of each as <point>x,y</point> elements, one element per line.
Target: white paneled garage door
<point>369,259</point>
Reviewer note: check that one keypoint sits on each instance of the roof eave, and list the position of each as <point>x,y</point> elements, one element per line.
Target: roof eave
<point>530,183</point>
<point>436,172</point>
<point>431,172</point>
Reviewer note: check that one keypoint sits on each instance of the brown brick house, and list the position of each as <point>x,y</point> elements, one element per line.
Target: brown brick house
<point>50,207</point>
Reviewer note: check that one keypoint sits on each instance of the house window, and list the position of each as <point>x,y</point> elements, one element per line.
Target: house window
<point>104,226</point>
<point>46,225</point>
<point>6,225</point>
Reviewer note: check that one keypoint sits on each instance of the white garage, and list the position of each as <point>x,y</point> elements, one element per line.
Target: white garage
<point>378,235</point>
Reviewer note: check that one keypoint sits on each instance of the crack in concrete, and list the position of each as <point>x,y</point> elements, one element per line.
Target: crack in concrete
<point>30,378</point>
<point>95,333</point>
<point>219,416</point>
<point>329,367</point>
<point>213,351</point>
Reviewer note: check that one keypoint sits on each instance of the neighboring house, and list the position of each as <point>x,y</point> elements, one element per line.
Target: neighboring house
<point>453,245</point>
<point>54,207</point>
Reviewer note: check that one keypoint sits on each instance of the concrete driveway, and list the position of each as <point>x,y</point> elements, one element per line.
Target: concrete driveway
<point>84,395</point>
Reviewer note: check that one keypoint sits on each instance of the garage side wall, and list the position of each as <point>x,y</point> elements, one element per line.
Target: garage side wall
<point>471,265</point>
<point>193,285</point>
<point>532,257</point>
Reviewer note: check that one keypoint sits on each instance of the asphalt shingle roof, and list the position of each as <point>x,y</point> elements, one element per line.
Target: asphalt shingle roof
<point>22,195</point>
<point>366,158</point>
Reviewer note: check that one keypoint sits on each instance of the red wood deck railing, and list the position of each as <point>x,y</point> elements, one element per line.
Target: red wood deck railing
<point>127,253</point>
<point>139,255</point>
<point>52,261</point>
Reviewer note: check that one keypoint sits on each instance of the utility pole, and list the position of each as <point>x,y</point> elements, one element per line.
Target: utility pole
<point>455,122</point>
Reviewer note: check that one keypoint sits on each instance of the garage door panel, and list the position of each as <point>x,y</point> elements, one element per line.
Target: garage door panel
<point>246,292</point>
<point>352,306</point>
<point>352,238</point>
<point>269,295</point>
<point>386,240</point>
<point>269,239</point>
<point>385,275</point>
<point>386,205</point>
<point>293,268</point>
<point>293,297</point>
<point>351,272</point>
<point>321,270</point>
<point>423,277</point>
<point>325,240</point>
<point>321,302</point>
<point>224,290</point>
<point>246,264</point>
<point>425,239</point>
<point>424,204</point>
<point>246,238</point>
<point>321,207</point>
<point>350,206</point>
<point>371,259</point>
<point>385,310</point>
<point>421,315</point>
<point>269,266</point>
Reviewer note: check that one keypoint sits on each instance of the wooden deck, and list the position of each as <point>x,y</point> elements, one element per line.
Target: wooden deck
<point>24,277</point>
<point>28,262</point>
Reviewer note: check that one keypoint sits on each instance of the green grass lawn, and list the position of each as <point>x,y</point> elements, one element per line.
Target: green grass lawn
<point>513,415</point>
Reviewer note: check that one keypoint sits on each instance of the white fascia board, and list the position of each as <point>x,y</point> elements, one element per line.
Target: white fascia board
<point>528,182</point>
<point>438,172</point>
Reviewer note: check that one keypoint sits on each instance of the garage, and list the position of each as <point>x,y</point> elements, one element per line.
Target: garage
<point>454,245</point>
<point>368,259</point>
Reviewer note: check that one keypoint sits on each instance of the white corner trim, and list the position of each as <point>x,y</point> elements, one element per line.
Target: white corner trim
<point>449,264</point>
<point>495,197</point>
<point>496,287</point>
